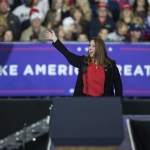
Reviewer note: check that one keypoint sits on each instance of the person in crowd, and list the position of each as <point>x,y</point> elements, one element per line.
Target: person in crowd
<point>102,21</point>
<point>98,74</point>
<point>35,30</point>
<point>57,5</point>
<point>60,33</point>
<point>120,2</point>
<point>22,12</point>
<point>84,5</point>
<point>114,9</point>
<point>53,19</point>
<point>8,36</point>
<point>120,34</point>
<point>69,28</point>
<point>13,20</point>
<point>82,37</point>
<point>62,7</point>
<point>147,26</point>
<point>138,20</point>
<point>42,6</point>
<point>3,27</point>
<point>126,14</point>
<point>93,6</point>
<point>15,3</point>
<point>80,22</point>
<point>66,8</point>
<point>135,34</point>
<point>140,8</point>
<point>103,33</point>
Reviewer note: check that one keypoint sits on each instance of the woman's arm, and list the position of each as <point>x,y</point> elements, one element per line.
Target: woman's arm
<point>73,59</point>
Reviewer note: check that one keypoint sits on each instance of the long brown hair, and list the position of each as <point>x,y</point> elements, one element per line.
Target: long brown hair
<point>101,57</point>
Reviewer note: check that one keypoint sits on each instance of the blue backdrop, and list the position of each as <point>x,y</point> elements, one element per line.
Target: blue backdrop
<point>38,69</point>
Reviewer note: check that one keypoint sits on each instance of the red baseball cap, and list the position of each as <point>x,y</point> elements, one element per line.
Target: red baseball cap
<point>4,1</point>
<point>126,6</point>
<point>102,4</point>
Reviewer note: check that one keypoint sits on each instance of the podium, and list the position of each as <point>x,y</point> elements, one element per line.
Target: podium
<point>86,123</point>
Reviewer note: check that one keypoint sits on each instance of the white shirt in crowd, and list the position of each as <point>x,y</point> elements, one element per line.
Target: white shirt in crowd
<point>23,11</point>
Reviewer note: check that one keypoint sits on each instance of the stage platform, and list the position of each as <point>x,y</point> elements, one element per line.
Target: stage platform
<point>17,113</point>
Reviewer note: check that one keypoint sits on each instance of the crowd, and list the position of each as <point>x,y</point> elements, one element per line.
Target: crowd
<point>75,20</point>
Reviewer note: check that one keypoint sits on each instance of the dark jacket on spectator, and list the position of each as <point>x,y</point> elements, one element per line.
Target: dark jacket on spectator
<point>14,25</point>
<point>95,25</point>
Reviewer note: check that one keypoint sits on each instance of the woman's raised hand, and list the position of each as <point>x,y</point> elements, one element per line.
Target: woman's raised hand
<point>50,35</point>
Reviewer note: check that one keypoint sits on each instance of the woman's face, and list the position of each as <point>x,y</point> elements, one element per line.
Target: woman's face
<point>36,24</point>
<point>4,7</point>
<point>58,4</point>
<point>102,12</point>
<point>127,13</point>
<point>136,34</point>
<point>8,36</point>
<point>141,3</point>
<point>103,34</point>
<point>91,48</point>
<point>77,14</point>
<point>123,30</point>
